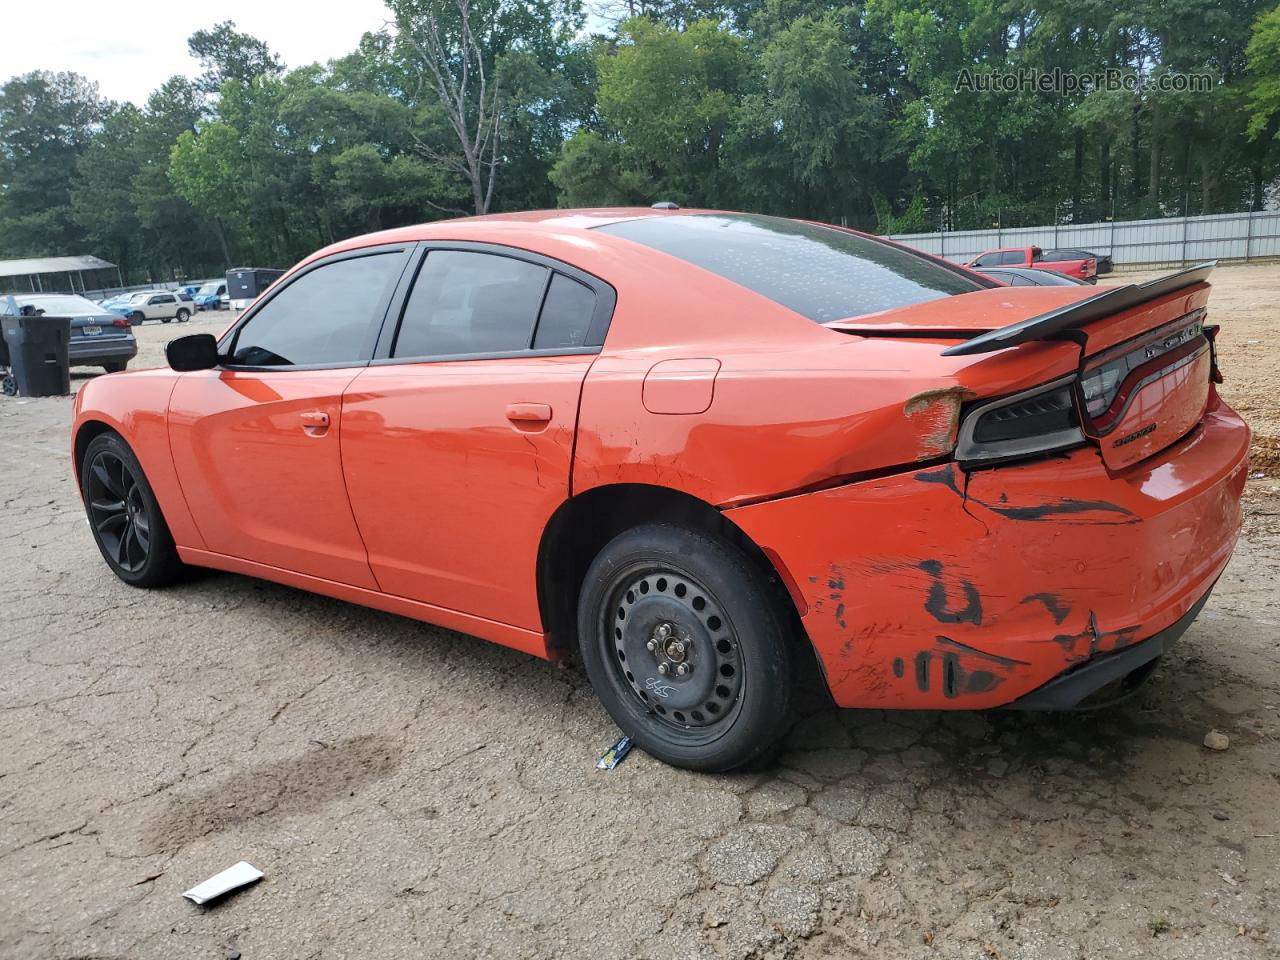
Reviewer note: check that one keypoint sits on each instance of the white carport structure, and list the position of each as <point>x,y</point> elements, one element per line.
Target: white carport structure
<point>41,274</point>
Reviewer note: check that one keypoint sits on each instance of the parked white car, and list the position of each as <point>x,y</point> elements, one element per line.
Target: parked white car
<point>162,305</point>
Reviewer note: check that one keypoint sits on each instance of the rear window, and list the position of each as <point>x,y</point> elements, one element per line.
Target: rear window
<point>60,305</point>
<point>819,272</point>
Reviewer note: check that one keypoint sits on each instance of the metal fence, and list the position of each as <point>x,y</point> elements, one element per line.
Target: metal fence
<point>1173,241</point>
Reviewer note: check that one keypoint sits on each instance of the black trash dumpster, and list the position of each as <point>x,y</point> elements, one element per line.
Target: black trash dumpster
<point>37,348</point>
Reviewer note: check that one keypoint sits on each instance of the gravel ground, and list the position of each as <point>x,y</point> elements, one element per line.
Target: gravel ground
<point>410,792</point>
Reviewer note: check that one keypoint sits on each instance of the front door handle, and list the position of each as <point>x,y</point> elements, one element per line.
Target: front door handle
<point>315,423</point>
<point>528,412</point>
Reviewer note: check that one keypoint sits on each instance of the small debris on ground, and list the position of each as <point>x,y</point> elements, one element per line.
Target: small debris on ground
<point>1218,815</point>
<point>1158,925</point>
<point>614,755</point>
<point>241,875</point>
<point>1215,740</point>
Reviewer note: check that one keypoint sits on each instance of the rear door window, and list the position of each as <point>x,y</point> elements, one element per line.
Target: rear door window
<point>1013,257</point>
<point>819,272</point>
<point>464,303</point>
<point>566,314</point>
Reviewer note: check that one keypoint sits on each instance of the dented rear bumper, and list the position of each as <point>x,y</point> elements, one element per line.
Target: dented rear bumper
<point>934,589</point>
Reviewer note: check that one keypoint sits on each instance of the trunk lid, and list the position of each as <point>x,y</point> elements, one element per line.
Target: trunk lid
<point>1146,356</point>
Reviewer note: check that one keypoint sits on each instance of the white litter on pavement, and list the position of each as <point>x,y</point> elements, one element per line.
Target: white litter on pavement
<point>241,875</point>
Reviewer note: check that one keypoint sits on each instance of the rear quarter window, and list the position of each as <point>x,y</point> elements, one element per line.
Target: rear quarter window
<point>820,272</point>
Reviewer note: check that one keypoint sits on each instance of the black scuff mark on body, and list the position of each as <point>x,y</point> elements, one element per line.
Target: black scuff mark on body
<point>956,680</point>
<point>899,667</point>
<point>923,659</point>
<point>1100,641</point>
<point>936,603</point>
<point>1057,607</point>
<point>1054,510</point>
<point>993,657</point>
<point>945,475</point>
<point>1061,508</point>
<point>840,615</point>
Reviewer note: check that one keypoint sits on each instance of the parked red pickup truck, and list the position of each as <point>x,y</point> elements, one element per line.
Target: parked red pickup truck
<point>1085,269</point>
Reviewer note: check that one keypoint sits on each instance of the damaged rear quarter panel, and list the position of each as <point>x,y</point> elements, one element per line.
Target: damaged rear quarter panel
<point>927,589</point>
<point>821,407</point>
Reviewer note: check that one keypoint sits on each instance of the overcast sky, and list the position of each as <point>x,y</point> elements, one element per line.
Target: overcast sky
<point>129,48</point>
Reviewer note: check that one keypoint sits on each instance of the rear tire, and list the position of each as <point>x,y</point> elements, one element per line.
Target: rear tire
<point>707,611</point>
<point>116,367</point>
<point>184,316</point>
<point>124,516</point>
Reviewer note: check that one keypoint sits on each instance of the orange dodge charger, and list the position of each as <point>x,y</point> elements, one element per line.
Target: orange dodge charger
<point>696,446</point>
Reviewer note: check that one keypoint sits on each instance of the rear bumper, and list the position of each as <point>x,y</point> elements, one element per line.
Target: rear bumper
<point>88,351</point>
<point>1068,689</point>
<point>933,590</point>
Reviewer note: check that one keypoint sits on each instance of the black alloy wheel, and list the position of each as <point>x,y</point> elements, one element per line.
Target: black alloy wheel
<point>117,511</point>
<point>124,516</point>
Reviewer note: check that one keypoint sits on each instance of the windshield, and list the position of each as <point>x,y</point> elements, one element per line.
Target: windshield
<point>209,288</point>
<point>60,304</point>
<point>820,272</point>
<point>139,297</point>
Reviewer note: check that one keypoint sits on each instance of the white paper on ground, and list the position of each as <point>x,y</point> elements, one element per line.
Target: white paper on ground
<point>242,874</point>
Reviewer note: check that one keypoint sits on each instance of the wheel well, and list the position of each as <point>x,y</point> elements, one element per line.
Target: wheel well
<point>85,436</point>
<point>581,527</point>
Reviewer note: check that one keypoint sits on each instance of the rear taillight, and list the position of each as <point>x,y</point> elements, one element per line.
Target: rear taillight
<point>1101,384</point>
<point>1027,424</point>
<point>119,321</point>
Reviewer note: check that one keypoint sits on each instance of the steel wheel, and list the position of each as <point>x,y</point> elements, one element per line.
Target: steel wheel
<point>682,637</point>
<point>674,647</point>
<point>118,512</point>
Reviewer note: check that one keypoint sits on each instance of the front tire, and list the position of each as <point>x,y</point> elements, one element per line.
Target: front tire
<point>124,516</point>
<point>117,366</point>
<point>685,646</point>
<point>136,318</point>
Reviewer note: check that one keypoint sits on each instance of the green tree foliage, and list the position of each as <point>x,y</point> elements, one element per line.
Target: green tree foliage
<point>227,54</point>
<point>47,122</point>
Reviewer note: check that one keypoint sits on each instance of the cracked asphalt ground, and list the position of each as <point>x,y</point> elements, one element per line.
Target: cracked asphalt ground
<point>410,792</point>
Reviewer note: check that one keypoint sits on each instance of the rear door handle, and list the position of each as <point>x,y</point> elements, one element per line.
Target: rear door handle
<point>528,412</point>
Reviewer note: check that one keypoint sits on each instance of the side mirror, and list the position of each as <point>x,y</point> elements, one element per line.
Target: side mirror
<point>198,351</point>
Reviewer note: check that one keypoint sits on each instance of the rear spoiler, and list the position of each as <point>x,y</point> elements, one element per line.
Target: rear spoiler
<point>1083,312</point>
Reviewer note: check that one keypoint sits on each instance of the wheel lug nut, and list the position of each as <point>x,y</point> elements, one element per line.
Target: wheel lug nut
<point>682,669</point>
<point>662,668</point>
<point>652,645</point>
